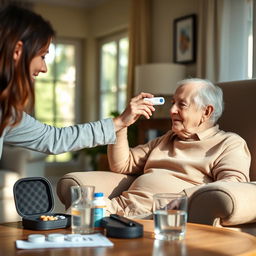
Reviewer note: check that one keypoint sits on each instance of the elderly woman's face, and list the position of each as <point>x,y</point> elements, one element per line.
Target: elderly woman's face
<point>187,118</point>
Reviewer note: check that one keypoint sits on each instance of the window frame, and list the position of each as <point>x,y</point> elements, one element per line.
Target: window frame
<point>254,39</point>
<point>78,82</point>
<point>107,39</point>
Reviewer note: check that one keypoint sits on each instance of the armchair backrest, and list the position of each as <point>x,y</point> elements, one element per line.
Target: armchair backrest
<point>239,114</point>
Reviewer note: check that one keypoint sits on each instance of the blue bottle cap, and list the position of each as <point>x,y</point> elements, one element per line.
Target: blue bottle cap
<point>98,194</point>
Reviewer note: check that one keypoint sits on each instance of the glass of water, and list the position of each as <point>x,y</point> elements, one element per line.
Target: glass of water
<point>170,216</point>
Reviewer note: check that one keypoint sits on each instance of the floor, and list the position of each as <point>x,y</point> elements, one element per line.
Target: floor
<point>8,212</point>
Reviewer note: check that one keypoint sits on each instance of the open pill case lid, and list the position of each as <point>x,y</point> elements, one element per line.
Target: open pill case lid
<point>33,198</point>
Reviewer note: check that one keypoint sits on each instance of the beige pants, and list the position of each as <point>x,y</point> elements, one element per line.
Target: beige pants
<point>138,199</point>
<point>128,195</point>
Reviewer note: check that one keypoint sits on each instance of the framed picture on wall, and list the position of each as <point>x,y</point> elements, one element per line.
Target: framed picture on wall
<point>184,39</point>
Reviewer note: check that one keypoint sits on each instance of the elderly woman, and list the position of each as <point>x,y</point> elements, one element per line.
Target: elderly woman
<point>194,152</point>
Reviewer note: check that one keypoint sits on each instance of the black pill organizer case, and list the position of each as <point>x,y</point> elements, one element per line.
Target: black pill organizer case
<point>33,198</point>
<point>119,227</point>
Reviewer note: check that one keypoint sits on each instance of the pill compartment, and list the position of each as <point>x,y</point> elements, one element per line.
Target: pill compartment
<point>33,198</point>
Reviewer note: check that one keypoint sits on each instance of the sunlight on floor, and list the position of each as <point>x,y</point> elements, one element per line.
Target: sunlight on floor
<point>8,211</point>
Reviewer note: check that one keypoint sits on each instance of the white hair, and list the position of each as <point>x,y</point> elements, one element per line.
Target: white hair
<point>207,94</point>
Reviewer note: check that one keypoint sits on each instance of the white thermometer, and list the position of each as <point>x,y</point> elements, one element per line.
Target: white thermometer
<point>156,100</point>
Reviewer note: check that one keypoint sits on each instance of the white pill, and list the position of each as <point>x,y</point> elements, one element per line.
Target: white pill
<point>56,237</point>
<point>156,100</point>
<point>74,237</point>
<point>36,238</point>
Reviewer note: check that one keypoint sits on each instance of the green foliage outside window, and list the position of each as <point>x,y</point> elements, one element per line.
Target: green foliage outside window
<point>55,91</point>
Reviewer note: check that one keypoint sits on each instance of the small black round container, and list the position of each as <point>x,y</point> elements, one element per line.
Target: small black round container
<point>119,229</point>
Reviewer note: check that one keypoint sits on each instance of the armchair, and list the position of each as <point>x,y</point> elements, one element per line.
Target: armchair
<point>227,204</point>
<point>231,204</point>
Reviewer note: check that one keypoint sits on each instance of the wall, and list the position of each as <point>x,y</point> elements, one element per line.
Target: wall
<point>89,25</point>
<point>163,14</point>
<point>110,17</point>
<point>67,21</point>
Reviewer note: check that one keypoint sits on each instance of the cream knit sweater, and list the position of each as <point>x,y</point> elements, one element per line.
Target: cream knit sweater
<point>169,164</point>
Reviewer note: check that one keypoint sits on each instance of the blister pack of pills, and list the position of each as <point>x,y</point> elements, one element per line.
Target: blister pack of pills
<point>59,240</point>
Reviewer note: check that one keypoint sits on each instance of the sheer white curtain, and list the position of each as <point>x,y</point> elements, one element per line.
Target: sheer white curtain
<point>234,37</point>
<point>139,39</point>
<point>224,30</point>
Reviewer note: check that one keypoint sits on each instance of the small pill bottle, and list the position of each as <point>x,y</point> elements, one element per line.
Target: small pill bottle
<point>99,211</point>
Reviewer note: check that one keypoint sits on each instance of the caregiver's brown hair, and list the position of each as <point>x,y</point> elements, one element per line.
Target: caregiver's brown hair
<point>19,25</point>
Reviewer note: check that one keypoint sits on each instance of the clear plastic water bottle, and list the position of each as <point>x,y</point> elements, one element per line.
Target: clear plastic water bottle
<point>99,205</point>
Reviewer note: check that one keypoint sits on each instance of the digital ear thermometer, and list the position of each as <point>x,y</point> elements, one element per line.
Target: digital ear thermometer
<point>156,100</point>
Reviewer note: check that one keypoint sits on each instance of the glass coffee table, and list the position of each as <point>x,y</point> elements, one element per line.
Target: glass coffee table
<point>201,240</point>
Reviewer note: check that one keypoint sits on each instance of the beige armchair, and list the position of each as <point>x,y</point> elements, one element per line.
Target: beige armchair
<point>229,204</point>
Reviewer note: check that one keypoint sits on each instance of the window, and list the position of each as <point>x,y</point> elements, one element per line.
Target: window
<point>113,75</point>
<point>235,42</point>
<point>56,90</point>
<point>250,38</point>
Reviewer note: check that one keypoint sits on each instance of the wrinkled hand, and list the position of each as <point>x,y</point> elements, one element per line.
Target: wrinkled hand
<point>134,110</point>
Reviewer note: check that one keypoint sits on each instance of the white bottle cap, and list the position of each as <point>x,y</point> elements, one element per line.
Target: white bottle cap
<point>56,237</point>
<point>36,238</point>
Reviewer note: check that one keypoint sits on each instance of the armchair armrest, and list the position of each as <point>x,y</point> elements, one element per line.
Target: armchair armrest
<point>226,203</point>
<point>110,183</point>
